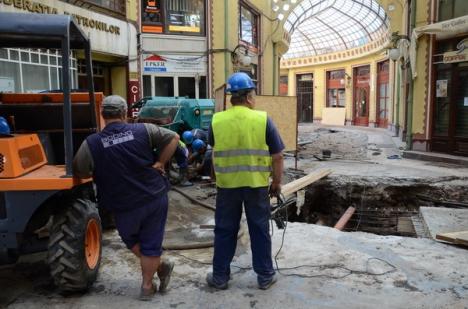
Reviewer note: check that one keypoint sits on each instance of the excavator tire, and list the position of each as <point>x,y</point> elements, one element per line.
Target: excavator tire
<point>75,246</point>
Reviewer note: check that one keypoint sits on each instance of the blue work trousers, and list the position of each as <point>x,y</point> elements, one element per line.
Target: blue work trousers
<point>227,220</point>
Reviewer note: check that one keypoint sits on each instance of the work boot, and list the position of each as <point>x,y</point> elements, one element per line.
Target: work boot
<point>266,285</point>
<point>183,176</point>
<point>211,282</point>
<point>164,274</point>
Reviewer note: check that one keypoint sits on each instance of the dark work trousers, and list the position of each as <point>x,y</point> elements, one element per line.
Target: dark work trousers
<point>227,220</point>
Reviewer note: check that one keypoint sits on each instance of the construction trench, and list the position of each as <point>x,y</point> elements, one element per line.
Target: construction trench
<point>383,206</point>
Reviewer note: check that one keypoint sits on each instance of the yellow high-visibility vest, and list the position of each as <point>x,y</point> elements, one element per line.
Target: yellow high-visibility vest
<point>241,156</point>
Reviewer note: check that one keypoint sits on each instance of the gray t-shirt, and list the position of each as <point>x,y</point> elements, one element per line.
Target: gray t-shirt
<point>83,165</point>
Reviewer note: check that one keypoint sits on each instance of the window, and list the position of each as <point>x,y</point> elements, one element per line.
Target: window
<point>28,71</point>
<point>113,5</point>
<point>248,26</point>
<point>185,16</point>
<point>449,9</point>
<point>336,94</point>
<point>151,16</point>
<point>173,16</point>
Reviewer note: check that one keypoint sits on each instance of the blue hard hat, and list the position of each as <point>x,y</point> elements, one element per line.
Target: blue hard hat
<point>197,145</point>
<point>4,127</point>
<point>239,82</point>
<point>187,137</point>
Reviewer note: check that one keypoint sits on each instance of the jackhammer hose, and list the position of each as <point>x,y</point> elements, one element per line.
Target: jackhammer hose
<point>198,245</point>
<point>193,200</point>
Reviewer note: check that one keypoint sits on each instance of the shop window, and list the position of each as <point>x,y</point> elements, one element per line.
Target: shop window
<point>10,77</point>
<point>248,25</point>
<point>146,85</point>
<point>187,87</point>
<point>185,16</point>
<point>449,9</point>
<point>164,86</point>
<point>23,70</point>
<point>151,16</point>
<point>173,16</point>
<point>336,94</point>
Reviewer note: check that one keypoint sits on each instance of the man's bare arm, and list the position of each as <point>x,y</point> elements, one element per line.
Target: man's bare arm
<point>277,165</point>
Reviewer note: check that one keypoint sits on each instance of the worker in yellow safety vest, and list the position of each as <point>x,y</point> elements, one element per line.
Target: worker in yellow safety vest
<point>247,149</point>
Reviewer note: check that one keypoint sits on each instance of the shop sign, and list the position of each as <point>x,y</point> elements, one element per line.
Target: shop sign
<point>133,92</point>
<point>459,55</point>
<point>106,33</point>
<point>175,64</point>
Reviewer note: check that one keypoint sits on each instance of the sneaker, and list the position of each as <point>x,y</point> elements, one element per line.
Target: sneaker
<point>147,294</point>
<point>213,284</point>
<point>268,284</point>
<point>164,275</point>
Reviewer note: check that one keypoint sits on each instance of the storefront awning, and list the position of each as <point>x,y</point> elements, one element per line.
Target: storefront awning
<point>442,30</point>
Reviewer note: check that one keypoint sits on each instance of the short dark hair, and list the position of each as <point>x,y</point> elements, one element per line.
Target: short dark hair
<point>241,97</point>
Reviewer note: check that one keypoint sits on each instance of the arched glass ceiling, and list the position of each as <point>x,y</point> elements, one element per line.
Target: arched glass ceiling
<point>326,26</point>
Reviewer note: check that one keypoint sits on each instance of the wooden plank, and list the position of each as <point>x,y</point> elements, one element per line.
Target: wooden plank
<point>296,185</point>
<point>460,238</point>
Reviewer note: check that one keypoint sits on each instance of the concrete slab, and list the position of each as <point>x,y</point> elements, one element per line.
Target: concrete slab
<point>321,268</point>
<point>444,220</point>
<point>435,157</point>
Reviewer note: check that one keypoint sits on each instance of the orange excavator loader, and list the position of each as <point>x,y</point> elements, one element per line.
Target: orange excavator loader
<point>42,206</point>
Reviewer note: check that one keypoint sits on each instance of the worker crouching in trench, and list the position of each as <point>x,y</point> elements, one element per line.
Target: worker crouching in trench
<point>131,185</point>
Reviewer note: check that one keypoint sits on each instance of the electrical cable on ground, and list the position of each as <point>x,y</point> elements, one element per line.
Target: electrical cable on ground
<point>319,266</point>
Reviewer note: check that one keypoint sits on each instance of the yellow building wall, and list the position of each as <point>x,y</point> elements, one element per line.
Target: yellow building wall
<point>226,13</point>
<point>119,81</point>
<point>420,95</point>
<point>320,85</point>
<point>132,10</point>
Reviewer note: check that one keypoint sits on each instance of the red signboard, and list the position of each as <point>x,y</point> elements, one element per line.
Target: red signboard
<point>133,93</point>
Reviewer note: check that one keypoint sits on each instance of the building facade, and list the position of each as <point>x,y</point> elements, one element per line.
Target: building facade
<point>419,93</point>
<point>111,28</point>
<point>189,48</point>
<point>173,54</point>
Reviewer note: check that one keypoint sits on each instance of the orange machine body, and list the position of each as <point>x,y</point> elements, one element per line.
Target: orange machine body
<point>20,154</point>
<point>23,162</point>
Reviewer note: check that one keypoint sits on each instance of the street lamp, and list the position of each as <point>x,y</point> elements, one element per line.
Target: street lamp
<point>394,52</point>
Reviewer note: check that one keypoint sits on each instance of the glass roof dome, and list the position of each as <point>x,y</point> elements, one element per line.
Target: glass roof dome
<point>326,26</point>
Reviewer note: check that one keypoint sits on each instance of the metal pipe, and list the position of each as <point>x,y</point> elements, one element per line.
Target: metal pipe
<point>340,225</point>
<point>89,76</point>
<point>409,129</point>
<point>67,119</point>
<point>397,121</point>
<point>226,40</point>
<point>275,74</point>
